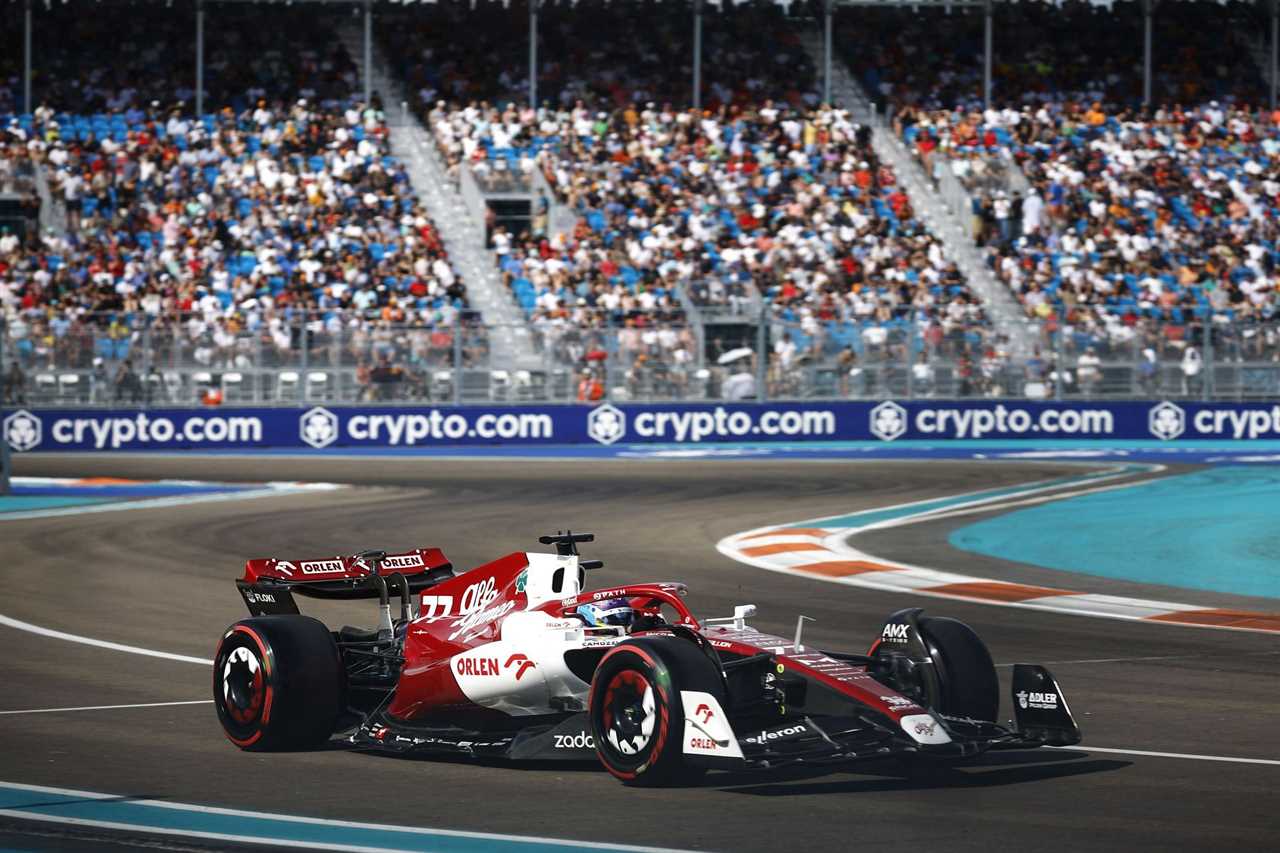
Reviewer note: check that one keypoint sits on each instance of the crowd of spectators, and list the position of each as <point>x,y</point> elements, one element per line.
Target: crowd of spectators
<point>274,224</point>
<point>1140,235</point>
<point>764,192</point>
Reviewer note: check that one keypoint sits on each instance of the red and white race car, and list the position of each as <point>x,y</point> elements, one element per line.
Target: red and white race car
<point>514,659</point>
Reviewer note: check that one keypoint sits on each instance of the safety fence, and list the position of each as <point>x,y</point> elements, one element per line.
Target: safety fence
<point>334,427</point>
<point>584,355</point>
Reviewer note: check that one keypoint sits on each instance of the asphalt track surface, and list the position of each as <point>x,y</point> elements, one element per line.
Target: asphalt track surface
<point>162,578</point>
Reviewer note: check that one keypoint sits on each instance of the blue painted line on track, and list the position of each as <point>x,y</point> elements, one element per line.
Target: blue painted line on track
<point>1212,530</point>
<point>138,490</point>
<point>59,805</point>
<point>1189,452</point>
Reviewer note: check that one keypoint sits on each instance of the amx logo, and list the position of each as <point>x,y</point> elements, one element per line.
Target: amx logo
<point>1167,421</point>
<point>888,421</point>
<point>895,632</point>
<point>318,427</point>
<point>22,430</point>
<point>606,424</point>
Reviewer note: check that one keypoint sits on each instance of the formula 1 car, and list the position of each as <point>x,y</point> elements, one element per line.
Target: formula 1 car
<point>515,660</point>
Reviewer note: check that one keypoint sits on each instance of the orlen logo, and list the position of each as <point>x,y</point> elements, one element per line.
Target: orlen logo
<point>321,567</point>
<point>521,663</point>
<point>22,430</point>
<point>704,711</point>
<point>888,421</point>
<point>489,666</point>
<point>606,424</point>
<point>1166,421</point>
<point>318,427</point>
<point>926,729</point>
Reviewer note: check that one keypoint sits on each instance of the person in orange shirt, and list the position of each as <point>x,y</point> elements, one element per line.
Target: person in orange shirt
<point>1095,116</point>
<point>590,388</point>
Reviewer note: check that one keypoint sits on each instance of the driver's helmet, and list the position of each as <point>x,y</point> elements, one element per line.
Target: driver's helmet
<point>611,611</point>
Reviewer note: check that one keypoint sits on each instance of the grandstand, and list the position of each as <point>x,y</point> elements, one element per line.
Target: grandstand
<point>210,208</point>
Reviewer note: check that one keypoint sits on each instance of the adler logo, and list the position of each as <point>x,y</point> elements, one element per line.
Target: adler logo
<point>1039,701</point>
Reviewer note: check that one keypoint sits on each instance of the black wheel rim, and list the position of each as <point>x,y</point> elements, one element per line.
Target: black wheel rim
<point>244,686</point>
<point>629,716</point>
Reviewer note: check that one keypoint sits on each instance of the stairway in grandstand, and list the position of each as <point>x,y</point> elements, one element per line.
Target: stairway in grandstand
<point>947,221</point>
<point>463,236</point>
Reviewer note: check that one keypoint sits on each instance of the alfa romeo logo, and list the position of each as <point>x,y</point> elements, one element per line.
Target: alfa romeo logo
<point>318,427</point>
<point>606,424</point>
<point>1167,421</point>
<point>888,421</point>
<point>22,430</point>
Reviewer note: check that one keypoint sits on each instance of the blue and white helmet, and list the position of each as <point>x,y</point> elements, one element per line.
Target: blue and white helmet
<point>612,611</point>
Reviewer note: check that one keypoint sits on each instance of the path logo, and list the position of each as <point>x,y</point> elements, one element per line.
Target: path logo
<point>318,427</point>
<point>606,424</point>
<point>888,421</point>
<point>1167,421</point>
<point>22,430</point>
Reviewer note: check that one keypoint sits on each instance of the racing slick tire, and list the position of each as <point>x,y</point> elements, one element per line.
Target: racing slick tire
<point>637,717</point>
<point>967,677</point>
<point>278,683</point>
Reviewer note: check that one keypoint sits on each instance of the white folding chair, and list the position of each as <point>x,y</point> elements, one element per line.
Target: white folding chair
<point>69,386</point>
<point>287,385</point>
<point>200,384</point>
<point>317,385</point>
<point>232,386</point>
<point>499,384</point>
<point>46,387</point>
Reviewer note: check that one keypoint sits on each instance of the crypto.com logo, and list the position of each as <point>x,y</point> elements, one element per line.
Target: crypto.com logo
<point>1167,421</point>
<point>318,427</point>
<point>888,421</point>
<point>22,430</point>
<point>606,424</point>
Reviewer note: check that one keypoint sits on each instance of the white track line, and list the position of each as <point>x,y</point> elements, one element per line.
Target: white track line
<point>168,501</point>
<point>102,644</point>
<point>107,707</point>
<point>1144,752</point>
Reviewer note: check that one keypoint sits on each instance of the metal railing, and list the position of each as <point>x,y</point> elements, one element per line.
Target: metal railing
<point>191,360</point>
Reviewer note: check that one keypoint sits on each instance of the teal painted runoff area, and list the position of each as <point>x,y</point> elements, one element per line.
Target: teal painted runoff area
<point>22,503</point>
<point>1214,529</point>
<point>232,825</point>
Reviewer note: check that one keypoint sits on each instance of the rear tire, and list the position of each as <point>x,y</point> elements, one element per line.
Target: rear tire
<point>969,686</point>
<point>637,716</point>
<point>278,683</point>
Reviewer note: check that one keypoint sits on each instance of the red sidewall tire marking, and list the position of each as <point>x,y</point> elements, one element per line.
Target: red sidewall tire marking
<point>660,738</point>
<point>265,660</point>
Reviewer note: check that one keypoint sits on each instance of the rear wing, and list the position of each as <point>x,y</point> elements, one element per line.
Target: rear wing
<point>268,584</point>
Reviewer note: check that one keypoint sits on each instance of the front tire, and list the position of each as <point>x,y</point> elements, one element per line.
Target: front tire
<point>637,716</point>
<point>967,677</point>
<point>278,683</point>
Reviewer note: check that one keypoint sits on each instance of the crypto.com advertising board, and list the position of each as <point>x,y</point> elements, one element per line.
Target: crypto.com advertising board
<point>329,427</point>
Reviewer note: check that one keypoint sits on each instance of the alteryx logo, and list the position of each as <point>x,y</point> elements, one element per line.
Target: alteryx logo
<point>606,424</point>
<point>22,430</point>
